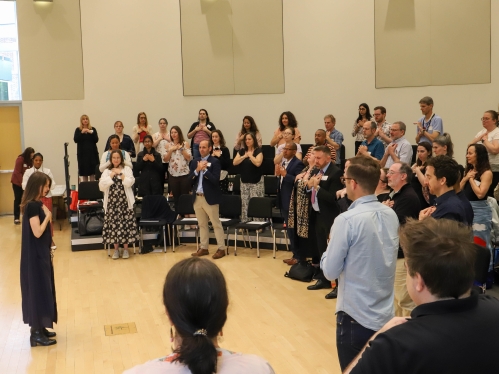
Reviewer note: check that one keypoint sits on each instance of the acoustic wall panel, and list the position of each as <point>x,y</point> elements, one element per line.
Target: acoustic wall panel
<point>432,42</point>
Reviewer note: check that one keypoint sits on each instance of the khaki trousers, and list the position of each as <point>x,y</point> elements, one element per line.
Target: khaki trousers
<point>403,303</point>
<point>205,213</point>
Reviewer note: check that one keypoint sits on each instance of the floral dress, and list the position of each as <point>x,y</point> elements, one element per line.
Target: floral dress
<point>120,225</point>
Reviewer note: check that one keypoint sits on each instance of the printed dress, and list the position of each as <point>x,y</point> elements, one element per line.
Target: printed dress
<point>119,222</point>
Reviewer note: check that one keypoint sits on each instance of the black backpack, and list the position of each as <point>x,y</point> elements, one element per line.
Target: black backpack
<point>302,271</point>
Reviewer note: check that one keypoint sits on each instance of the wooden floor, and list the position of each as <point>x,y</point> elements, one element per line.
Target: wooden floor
<point>269,315</point>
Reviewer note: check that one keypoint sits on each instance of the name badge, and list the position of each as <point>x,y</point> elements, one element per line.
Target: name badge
<point>209,126</point>
<point>430,128</point>
<point>24,165</point>
<point>324,178</point>
<point>208,164</point>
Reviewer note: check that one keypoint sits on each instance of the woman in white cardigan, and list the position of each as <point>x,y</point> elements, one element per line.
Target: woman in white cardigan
<point>114,144</point>
<point>120,226</point>
<point>47,200</point>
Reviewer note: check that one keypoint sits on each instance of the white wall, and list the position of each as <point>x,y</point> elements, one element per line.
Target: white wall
<point>132,63</point>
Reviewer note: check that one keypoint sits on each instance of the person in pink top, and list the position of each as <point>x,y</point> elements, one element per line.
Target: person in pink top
<point>199,131</point>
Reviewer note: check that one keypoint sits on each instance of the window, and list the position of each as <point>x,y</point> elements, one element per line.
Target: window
<point>10,81</point>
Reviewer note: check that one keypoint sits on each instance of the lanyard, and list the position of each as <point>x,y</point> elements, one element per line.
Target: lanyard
<point>428,123</point>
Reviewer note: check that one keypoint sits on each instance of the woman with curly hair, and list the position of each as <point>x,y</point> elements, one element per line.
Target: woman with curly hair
<point>248,125</point>
<point>287,119</point>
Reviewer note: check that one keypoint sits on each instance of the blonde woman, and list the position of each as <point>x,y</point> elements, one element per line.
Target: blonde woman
<point>139,131</point>
<point>86,140</point>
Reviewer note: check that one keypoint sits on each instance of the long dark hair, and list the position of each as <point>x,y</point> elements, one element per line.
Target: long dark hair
<point>368,113</point>
<point>428,148</point>
<point>255,142</point>
<point>222,139</point>
<point>196,299</point>
<point>207,115</point>
<point>180,135</point>
<point>34,188</point>
<point>253,127</point>
<point>482,160</point>
<point>26,155</point>
<point>292,122</point>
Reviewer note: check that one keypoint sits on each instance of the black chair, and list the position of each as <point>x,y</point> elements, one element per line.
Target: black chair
<point>185,207</point>
<point>230,213</point>
<point>236,183</point>
<point>357,145</point>
<point>89,191</point>
<point>482,263</point>
<point>279,227</point>
<point>270,185</point>
<point>258,207</point>
<point>268,152</point>
<point>305,148</point>
<point>414,154</point>
<point>268,166</point>
<point>155,212</point>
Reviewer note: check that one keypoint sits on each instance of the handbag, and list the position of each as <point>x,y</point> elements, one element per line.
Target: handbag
<point>301,271</point>
<point>91,223</point>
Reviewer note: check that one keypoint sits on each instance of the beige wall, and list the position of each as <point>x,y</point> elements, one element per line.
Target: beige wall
<point>50,50</point>
<point>132,62</point>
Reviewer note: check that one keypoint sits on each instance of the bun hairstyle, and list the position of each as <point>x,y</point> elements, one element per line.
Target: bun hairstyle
<point>494,115</point>
<point>195,297</point>
<point>445,140</point>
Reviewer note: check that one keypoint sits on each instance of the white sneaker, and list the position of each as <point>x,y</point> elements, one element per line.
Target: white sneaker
<point>125,253</point>
<point>116,254</point>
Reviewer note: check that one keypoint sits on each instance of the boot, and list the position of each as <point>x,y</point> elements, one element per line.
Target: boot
<point>38,338</point>
<point>49,334</point>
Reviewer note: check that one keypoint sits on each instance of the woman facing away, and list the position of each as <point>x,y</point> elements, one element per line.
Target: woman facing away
<point>86,139</point>
<point>46,200</point>
<point>23,162</point>
<point>196,300</point>
<point>120,226</point>
<point>37,272</point>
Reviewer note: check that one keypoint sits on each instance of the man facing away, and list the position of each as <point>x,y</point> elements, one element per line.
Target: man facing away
<point>371,146</point>
<point>405,203</point>
<point>362,252</point>
<point>399,150</point>
<point>453,329</point>
<point>430,126</point>
<point>290,167</point>
<point>205,178</point>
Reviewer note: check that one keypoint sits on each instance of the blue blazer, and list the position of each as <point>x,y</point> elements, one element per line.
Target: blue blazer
<point>211,180</point>
<point>284,190</point>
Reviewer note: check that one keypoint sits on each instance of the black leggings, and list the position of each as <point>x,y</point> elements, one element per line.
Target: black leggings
<point>18,195</point>
<point>179,186</point>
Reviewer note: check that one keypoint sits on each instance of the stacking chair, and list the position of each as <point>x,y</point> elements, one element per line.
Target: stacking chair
<point>230,212</point>
<point>258,207</point>
<point>279,227</point>
<point>155,212</point>
<point>185,206</point>
<point>89,191</point>
<point>482,263</point>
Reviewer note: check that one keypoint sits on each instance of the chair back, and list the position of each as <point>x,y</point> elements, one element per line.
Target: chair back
<point>268,151</point>
<point>260,207</point>
<point>185,205</point>
<point>89,191</point>
<point>305,148</point>
<point>482,263</point>
<point>157,207</point>
<point>270,183</point>
<point>236,184</point>
<point>231,206</point>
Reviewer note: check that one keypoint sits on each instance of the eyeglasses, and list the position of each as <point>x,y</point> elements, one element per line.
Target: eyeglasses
<point>343,179</point>
<point>485,119</point>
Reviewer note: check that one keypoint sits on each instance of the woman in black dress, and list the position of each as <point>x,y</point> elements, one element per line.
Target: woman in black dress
<point>151,168</point>
<point>37,273</point>
<point>87,155</point>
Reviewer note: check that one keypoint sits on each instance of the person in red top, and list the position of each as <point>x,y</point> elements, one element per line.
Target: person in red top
<point>23,162</point>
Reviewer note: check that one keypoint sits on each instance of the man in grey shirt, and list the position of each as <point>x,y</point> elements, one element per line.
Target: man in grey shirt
<point>362,253</point>
<point>399,150</point>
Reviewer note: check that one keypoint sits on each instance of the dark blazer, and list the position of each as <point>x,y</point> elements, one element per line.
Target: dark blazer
<point>284,190</point>
<point>328,206</point>
<point>211,179</point>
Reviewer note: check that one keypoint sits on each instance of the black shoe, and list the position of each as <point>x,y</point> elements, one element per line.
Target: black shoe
<point>317,273</point>
<point>321,283</point>
<point>38,338</point>
<point>49,334</point>
<point>333,294</point>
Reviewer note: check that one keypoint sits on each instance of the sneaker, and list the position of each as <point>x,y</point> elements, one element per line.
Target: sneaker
<point>17,222</point>
<point>125,254</point>
<point>116,254</point>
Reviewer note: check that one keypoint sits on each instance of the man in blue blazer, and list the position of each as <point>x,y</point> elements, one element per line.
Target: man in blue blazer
<point>205,178</point>
<point>288,170</point>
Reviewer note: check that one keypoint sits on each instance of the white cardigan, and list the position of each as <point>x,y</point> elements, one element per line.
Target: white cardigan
<point>104,163</point>
<point>106,181</point>
<point>28,173</point>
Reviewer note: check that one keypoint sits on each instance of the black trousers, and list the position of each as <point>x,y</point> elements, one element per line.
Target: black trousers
<point>18,195</point>
<point>179,186</point>
<point>319,230</point>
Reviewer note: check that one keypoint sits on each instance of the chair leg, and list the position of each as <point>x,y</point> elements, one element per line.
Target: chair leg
<point>108,250</point>
<point>141,240</point>
<point>235,242</point>
<point>133,247</point>
<point>286,238</point>
<point>249,241</point>
<point>274,242</point>
<point>173,238</point>
<point>164,238</point>
<point>257,245</point>
<point>227,242</point>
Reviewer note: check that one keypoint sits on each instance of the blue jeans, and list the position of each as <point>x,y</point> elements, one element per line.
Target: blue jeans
<point>195,151</point>
<point>350,338</point>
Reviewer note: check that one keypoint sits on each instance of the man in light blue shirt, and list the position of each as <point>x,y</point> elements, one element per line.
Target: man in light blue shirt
<point>430,126</point>
<point>362,253</point>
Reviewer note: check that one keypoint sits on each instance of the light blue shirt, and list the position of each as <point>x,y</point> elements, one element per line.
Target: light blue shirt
<point>362,254</point>
<point>435,123</point>
<point>337,138</point>
<point>315,205</point>
<point>201,173</point>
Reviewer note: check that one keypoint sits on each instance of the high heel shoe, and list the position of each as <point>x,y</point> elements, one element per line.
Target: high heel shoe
<point>49,334</point>
<point>38,338</point>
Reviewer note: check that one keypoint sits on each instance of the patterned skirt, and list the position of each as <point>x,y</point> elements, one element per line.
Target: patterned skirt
<point>120,225</point>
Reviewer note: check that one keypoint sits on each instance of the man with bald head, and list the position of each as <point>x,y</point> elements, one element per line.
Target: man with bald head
<point>289,168</point>
<point>320,139</point>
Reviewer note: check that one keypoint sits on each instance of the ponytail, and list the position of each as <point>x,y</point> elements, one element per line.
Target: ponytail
<point>198,353</point>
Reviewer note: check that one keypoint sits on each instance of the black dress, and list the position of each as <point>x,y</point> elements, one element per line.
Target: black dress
<point>151,174</point>
<point>86,152</point>
<point>37,273</point>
